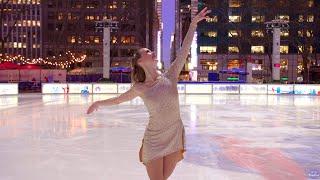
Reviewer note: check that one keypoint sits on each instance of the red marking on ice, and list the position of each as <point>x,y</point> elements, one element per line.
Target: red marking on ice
<point>271,163</point>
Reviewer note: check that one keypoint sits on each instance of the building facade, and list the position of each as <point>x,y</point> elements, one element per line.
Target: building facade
<point>69,25</point>
<point>21,27</point>
<point>236,34</point>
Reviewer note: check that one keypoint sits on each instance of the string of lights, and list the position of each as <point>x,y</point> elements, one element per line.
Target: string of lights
<point>60,61</point>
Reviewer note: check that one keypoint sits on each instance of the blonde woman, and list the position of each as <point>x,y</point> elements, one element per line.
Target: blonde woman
<point>163,144</point>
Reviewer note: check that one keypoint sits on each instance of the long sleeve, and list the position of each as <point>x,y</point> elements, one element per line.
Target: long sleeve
<point>126,96</point>
<point>177,65</point>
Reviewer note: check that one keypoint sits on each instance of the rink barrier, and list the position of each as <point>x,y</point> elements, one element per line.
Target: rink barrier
<point>9,88</point>
<point>183,88</point>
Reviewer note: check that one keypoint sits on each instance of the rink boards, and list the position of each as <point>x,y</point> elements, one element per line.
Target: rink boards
<point>183,88</point>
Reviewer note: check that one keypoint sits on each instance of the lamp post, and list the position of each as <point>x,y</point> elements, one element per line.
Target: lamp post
<point>106,26</point>
<point>275,26</point>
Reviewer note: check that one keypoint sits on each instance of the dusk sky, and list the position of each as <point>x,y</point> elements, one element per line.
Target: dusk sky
<point>168,9</point>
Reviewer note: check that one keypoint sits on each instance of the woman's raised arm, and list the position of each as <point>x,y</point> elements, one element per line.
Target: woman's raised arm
<point>126,96</point>
<point>177,65</point>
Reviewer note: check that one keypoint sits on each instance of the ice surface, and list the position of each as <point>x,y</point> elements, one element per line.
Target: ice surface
<point>228,137</point>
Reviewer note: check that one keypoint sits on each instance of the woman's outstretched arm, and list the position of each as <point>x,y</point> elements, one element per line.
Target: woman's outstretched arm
<point>177,65</point>
<point>126,96</point>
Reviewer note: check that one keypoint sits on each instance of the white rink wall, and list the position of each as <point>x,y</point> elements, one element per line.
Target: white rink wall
<point>183,88</point>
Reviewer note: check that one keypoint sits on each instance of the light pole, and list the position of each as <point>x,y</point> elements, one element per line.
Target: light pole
<point>106,26</point>
<point>275,26</point>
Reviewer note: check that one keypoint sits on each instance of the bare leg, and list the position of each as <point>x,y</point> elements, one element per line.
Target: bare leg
<point>169,163</point>
<point>155,169</point>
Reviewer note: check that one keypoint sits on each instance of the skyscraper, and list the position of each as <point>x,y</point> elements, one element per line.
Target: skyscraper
<point>70,25</point>
<point>21,28</point>
<point>236,34</point>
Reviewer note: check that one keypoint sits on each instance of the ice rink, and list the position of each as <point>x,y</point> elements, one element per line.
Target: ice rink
<point>247,137</point>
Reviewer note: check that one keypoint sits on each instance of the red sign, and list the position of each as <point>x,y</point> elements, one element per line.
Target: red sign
<point>276,65</point>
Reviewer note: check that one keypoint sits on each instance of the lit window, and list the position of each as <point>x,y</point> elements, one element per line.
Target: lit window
<point>284,17</point>
<point>235,18</point>
<point>310,3</point>
<point>284,64</point>
<point>127,39</point>
<point>284,33</point>
<point>87,40</point>
<point>257,49</point>
<point>284,49</point>
<point>114,40</point>
<point>208,49</point>
<point>124,5</point>
<point>234,33</point>
<point>233,49</point>
<point>234,3</point>
<point>18,23</point>
<point>300,19</point>
<point>257,19</point>
<point>300,66</point>
<point>311,50</point>
<point>257,33</point>
<point>15,44</point>
<point>212,34</point>
<point>72,39</point>
<point>304,48</point>
<point>233,63</point>
<point>113,5</point>
<point>35,46</point>
<point>300,49</point>
<point>60,16</point>
<point>211,65</point>
<point>309,33</point>
<point>310,18</point>
<point>212,19</point>
<point>257,65</point>
<point>96,39</point>
<point>89,17</point>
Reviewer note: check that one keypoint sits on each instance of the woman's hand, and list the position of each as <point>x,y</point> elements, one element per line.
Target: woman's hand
<point>93,107</point>
<point>200,16</point>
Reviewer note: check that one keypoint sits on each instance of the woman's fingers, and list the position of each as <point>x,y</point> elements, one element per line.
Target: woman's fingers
<point>205,13</point>
<point>202,14</point>
<point>91,109</point>
<point>203,10</point>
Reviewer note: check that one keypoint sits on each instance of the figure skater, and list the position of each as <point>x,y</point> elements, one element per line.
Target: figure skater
<point>163,144</point>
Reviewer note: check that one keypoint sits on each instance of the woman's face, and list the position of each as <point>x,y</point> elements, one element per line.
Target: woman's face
<point>148,58</point>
